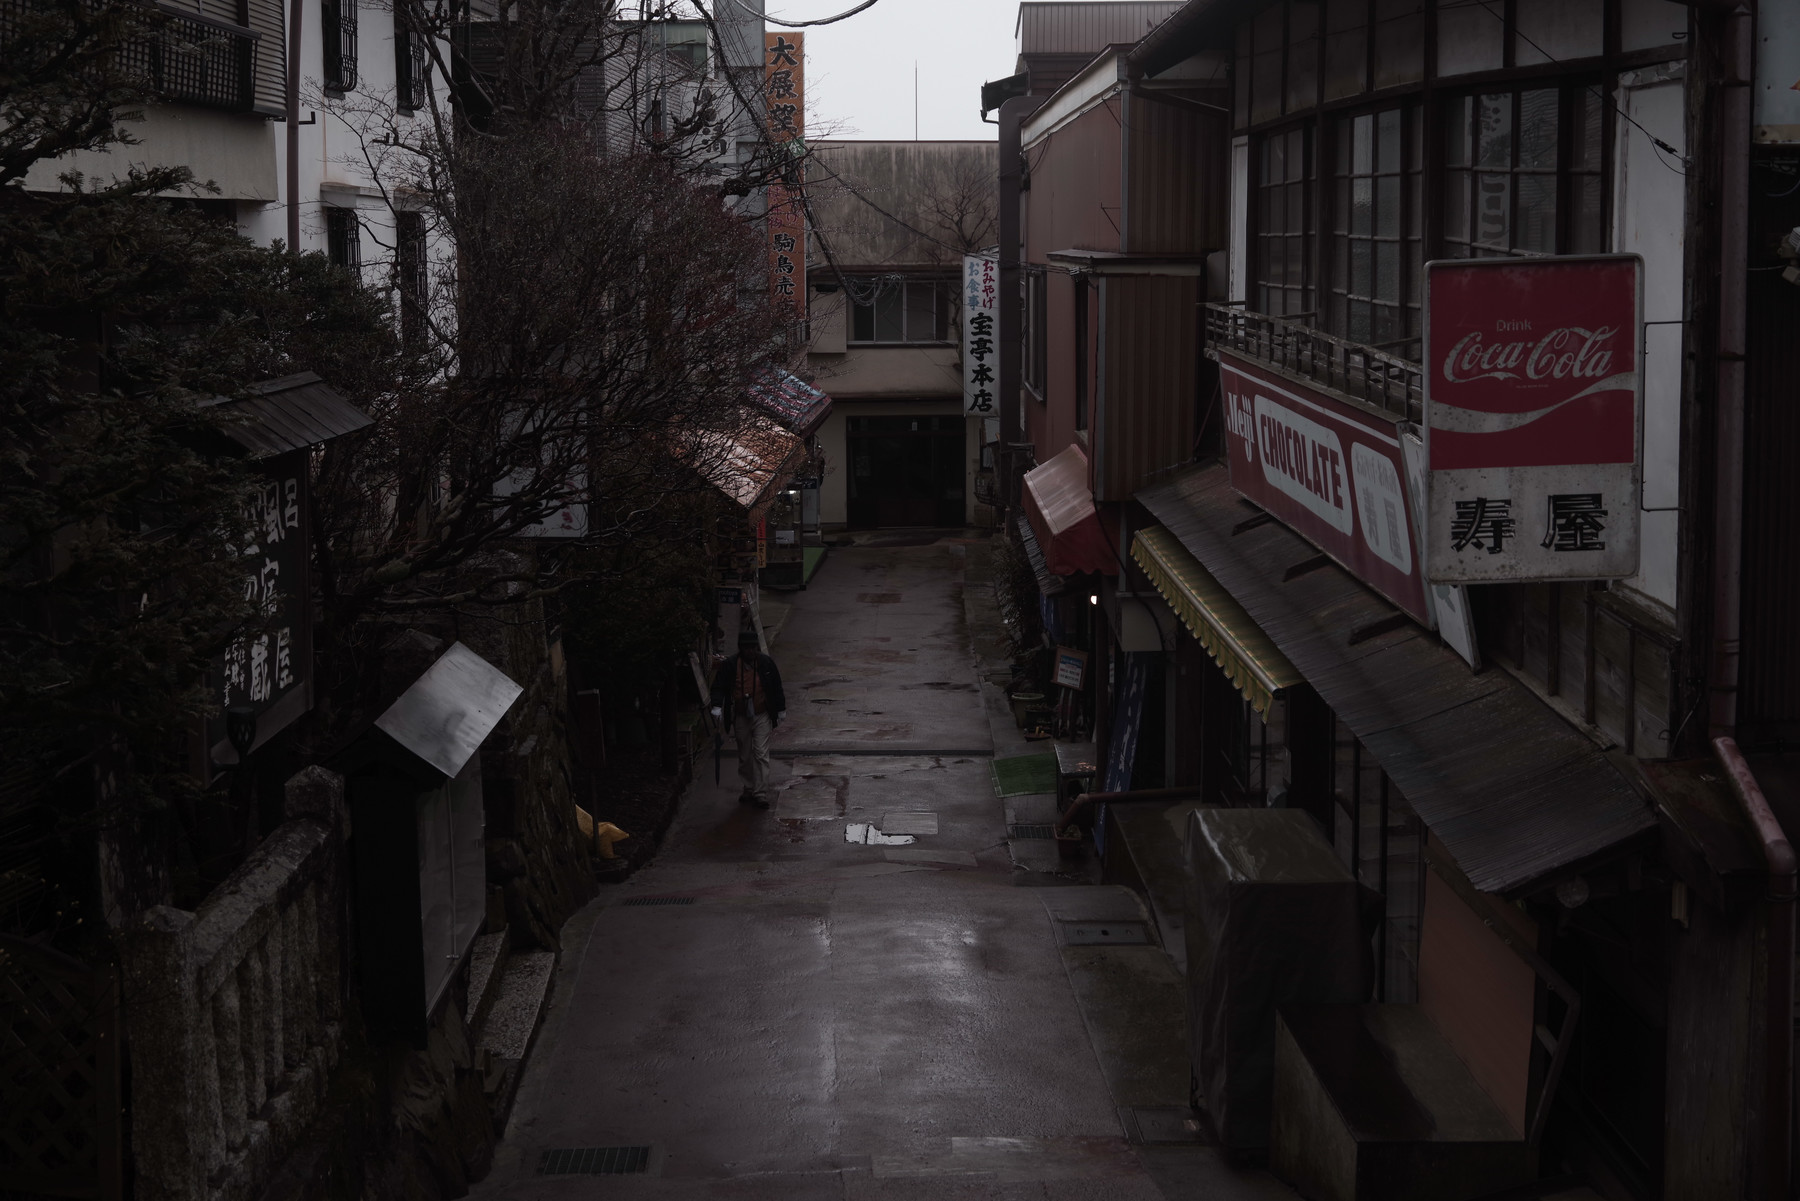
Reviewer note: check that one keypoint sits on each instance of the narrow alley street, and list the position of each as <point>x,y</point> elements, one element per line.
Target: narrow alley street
<point>772,1010</point>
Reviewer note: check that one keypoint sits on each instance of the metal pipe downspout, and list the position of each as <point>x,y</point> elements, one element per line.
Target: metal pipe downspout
<point>295,8</point>
<point>1012,250</point>
<point>1735,102</point>
<point>1778,1083</point>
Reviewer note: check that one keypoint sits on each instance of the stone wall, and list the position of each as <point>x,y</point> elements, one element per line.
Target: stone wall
<point>535,855</point>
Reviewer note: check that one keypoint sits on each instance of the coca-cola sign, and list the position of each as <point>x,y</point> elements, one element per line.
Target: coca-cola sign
<point>1533,397</point>
<point>1330,470</point>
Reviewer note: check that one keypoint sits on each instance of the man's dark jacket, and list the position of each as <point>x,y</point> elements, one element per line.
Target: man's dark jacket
<point>726,677</point>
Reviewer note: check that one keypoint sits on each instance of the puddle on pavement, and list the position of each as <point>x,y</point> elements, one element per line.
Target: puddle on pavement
<point>868,835</point>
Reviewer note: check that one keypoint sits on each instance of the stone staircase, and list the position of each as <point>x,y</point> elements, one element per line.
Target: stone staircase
<point>507,990</point>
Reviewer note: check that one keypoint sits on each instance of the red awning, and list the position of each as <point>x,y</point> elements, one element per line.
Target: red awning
<point>1060,508</point>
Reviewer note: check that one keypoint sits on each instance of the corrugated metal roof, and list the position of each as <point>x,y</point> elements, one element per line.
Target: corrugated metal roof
<point>290,413</point>
<point>1087,27</point>
<point>1511,790</point>
<point>750,464</point>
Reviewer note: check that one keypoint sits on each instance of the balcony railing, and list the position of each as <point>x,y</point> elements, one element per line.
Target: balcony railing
<point>1372,377</point>
<point>191,59</point>
<point>182,56</point>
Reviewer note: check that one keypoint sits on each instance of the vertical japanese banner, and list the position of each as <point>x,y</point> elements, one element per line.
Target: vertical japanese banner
<point>268,666</point>
<point>980,350</point>
<point>1534,396</point>
<point>784,101</point>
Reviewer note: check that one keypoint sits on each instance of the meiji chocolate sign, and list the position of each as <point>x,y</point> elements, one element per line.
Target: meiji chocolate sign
<point>1533,399</point>
<point>1331,471</point>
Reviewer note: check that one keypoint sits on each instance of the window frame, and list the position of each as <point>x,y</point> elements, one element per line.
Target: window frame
<point>943,319</point>
<point>1338,223</point>
<point>343,237</point>
<point>1575,98</point>
<point>412,68</point>
<point>337,35</point>
<point>1306,186</point>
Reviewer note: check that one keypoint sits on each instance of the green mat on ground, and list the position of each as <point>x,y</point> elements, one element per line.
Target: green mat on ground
<point>1025,774</point>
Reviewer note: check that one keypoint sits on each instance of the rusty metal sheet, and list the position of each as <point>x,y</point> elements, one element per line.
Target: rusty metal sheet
<point>1511,789</point>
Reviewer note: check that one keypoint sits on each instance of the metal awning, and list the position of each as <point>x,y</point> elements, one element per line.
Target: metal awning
<point>752,463</point>
<point>1115,262</point>
<point>1060,507</point>
<point>290,413</point>
<point>790,400</point>
<point>1252,662</point>
<point>1511,790</point>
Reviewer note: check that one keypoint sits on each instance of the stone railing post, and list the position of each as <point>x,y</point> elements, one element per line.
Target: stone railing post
<point>175,1130</point>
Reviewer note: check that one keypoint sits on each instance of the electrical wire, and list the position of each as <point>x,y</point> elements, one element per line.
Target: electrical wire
<point>843,16</point>
<point>1656,142</point>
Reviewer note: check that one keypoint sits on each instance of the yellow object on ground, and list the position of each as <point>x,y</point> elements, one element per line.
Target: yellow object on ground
<point>603,835</point>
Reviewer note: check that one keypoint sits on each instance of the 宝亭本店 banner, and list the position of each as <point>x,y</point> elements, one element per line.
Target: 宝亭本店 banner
<point>1533,402</point>
<point>980,347</point>
<point>1331,471</point>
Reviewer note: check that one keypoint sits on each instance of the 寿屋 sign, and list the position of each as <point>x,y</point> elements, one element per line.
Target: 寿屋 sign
<point>980,349</point>
<point>1329,470</point>
<point>1533,400</point>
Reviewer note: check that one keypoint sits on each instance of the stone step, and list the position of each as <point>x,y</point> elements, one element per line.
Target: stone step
<point>512,1019</point>
<point>486,962</point>
<point>504,1035</point>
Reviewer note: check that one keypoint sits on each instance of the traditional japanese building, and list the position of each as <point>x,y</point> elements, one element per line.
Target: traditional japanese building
<point>1512,702</point>
<point>891,222</point>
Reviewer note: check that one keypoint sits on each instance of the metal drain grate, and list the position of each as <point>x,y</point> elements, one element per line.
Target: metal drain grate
<point>1106,934</point>
<point>635,902</point>
<point>1030,831</point>
<point>594,1161</point>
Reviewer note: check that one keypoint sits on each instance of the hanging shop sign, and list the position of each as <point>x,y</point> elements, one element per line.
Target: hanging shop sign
<point>1331,471</point>
<point>1071,667</point>
<point>1534,397</point>
<point>267,667</point>
<point>980,334</point>
<point>784,107</point>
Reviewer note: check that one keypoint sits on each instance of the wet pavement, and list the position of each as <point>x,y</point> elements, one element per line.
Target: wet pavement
<point>774,1009</point>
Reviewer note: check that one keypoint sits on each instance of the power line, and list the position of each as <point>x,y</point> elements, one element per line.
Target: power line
<point>1656,142</point>
<point>843,16</point>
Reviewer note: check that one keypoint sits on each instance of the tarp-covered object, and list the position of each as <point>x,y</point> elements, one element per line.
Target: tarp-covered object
<point>1273,919</point>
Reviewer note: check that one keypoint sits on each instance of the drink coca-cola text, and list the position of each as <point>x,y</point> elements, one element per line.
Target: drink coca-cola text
<point>1566,353</point>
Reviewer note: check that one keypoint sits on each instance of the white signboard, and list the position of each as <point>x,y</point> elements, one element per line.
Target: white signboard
<point>980,336</point>
<point>1533,406</point>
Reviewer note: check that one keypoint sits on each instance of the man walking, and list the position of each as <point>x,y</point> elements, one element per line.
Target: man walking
<point>750,686</point>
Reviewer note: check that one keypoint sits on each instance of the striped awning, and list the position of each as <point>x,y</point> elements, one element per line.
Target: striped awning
<point>1235,642</point>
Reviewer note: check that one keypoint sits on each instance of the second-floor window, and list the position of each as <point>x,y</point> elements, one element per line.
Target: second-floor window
<point>1374,269</point>
<point>889,311</point>
<point>412,68</point>
<point>343,238</point>
<point>337,29</point>
<point>1522,173</point>
<point>1284,214</point>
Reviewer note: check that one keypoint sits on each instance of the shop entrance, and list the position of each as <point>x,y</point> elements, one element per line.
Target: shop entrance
<point>905,471</point>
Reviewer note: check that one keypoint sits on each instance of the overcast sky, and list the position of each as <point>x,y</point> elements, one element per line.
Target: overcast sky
<point>859,72</point>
